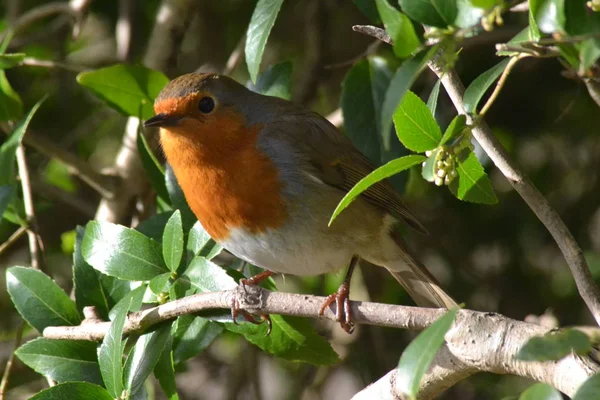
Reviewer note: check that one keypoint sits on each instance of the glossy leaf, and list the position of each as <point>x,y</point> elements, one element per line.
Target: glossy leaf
<point>144,357</point>
<point>154,227</point>
<point>549,15</point>
<point>11,107</point>
<point>415,126</point>
<point>291,338</point>
<point>433,97</point>
<point>554,346</point>
<point>383,172</point>
<point>480,85</point>
<point>369,8</point>
<point>419,354</point>
<point>401,82</point>
<point>74,390</point>
<point>467,14</point>
<point>424,12</point>
<point>200,243</point>
<point>456,127</point>
<point>160,283</point>
<point>39,300</point>
<point>540,391</point>
<point>207,276</point>
<point>126,88</point>
<point>192,335</point>
<point>261,23</point>
<point>154,170</point>
<point>276,81</point>
<point>589,389</point>
<point>11,60</point>
<point>164,371</point>
<point>472,183</point>
<point>110,355</point>
<point>62,360</point>
<point>447,9</point>
<point>400,29</point>
<point>172,243</point>
<point>121,252</point>
<point>131,301</point>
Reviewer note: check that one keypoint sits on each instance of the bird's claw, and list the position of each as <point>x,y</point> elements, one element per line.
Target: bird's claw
<point>343,311</point>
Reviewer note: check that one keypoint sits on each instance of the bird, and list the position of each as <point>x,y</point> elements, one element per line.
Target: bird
<point>263,176</point>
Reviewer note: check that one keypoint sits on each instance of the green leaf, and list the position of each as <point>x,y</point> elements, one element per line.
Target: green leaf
<point>11,107</point>
<point>291,338</point>
<point>433,97</point>
<point>467,15</point>
<point>192,335</point>
<point>88,288</point>
<point>154,170</point>
<point>533,31</point>
<point>540,391</point>
<point>201,244</point>
<point>11,60</point>
<point>6,195</point>
<point>74,390</point>
<point>589,53</point>
<point>456,127</point>
<point>110,355</point>
<point>549,15</point>
<point>519,38</point>
<point>62,360</point>
<point>160,283</point>
<point>472,183</point>
<point>419,354</point>
<point>126,88</point>
<point>401,82</point>
<point>154,226</point>
<point>485,4</point>
<point>480,85</point>
<point>178,200</point>
<point>144,357</point>
<point>276,81</point>
<point>263,19</point>
<point>400,29</point>
<point>164,371</point>
<point>131,301</point>
<point>589,389</point>
<point>383,172</point>
<point>447,9</point>
<point>39,300</point>
<point>415,126</point>
<point>424,12</point>
<point>429,167</point>
<point>172,243</point>
<point>121,252</point>
<point>207,276</point>
<point>554,346</point>
<point>9,147</point>
<point>369,8</point>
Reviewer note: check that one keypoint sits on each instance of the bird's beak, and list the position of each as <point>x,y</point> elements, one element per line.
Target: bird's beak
<point>160,120</point>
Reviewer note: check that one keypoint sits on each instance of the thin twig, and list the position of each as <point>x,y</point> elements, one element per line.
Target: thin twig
<point>34,62</point>
<point>13,239</point>
<point>513,61</point>
<point>11,359</point>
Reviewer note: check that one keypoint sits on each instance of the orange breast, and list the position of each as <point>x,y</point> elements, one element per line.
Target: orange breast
<point>227,181</point>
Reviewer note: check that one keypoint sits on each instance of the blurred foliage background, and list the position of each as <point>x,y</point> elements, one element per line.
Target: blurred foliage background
<point>495,258</point>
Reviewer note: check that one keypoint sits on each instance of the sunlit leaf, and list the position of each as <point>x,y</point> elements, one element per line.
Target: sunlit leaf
<point>472,184</point>
<point>540,391</point>
<point>555,345</point>
<point>74,390</point>
<point>415,126</point>
<point>400,29</point>
<point>261,23</point>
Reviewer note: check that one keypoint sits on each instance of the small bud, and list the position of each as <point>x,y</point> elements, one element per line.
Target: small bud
<point>453,173</point>
<point>447,180</point>
<point>439,181</point>
<point>441,173</point>
<point>439,164</point>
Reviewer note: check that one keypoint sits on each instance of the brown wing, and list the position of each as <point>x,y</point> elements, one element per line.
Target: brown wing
<point>337,161</point>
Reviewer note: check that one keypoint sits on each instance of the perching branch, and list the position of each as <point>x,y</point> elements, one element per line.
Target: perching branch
<point>573,254</point>
<point>477,341</point>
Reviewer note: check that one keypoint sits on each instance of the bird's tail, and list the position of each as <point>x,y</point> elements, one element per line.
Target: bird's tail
<point>418,282</point>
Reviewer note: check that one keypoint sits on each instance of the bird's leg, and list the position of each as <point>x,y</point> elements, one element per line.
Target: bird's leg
<point>235,306</point>
<point>341,298</point>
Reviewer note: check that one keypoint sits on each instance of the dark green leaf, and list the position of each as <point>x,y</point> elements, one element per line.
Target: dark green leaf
<point>415,126</point>
<point>263,19</point>
<point>433,97</point>
<point>589,389</point>
<point>154,170</point>
<point>11,60</point>
<point>400,29</point>
<point>39,300</point>
<point>126,88</point>
<point>456,127</point>
<point>192,335</point>
<point>132,301</point>
<point>385,171</point>
<point>291,338</point>
<point>401,82</point>
<point>201,244</point>
<point>480,85</point>
<point>154,227</point>
<point>589,53</point>
<point>160,283</point>
<point>549,15</point>
<point>110,355</point>
<point>424,12</point>
<point>485,4</point>
<point>62,360</point>
<point>534,31</point>
<point>472,183</point>
<point>11,107</point>
<point>554,346</point>
<point>419,354</point>
<point>467,15</point>
<point>74,390</point>
<point>88,288</point>
<point>164,371</point>
<point>6,195</point>
<point>144,356</point>
<point>172,243</point>
<point>369,8</point>
<point>276,81</point>
<point>122,252</point>
<point>429,167</point>
<point>178,200</point>
<point>207,276</point>
<point>447,9</point>
<point>540,391</point>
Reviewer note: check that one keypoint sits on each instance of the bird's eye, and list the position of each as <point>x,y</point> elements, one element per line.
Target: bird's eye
<point>206,105</point>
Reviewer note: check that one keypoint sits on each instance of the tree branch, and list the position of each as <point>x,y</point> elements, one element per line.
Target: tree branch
<point>476,342</point>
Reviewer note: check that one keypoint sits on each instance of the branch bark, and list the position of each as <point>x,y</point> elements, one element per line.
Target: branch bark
<point>476,342</point>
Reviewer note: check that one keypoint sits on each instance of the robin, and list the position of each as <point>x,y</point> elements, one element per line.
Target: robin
<point>264,175</point>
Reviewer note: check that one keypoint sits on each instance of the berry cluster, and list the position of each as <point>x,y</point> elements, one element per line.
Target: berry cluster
<point>492,18</point>
<point>446,159</point>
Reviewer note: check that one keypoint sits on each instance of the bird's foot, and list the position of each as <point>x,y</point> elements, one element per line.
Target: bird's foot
<point>343,311</point>
<point>235,304</point>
